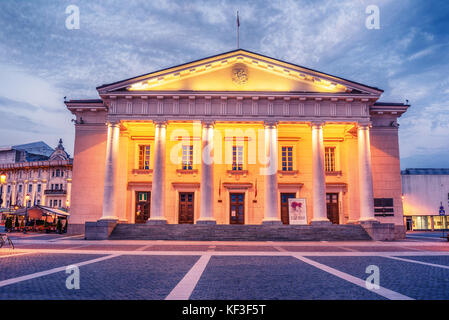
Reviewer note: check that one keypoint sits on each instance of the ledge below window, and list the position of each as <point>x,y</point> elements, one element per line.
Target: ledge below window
<point>333,173</point>
<point>237,172</point>
<point>288,173</point>
<point>142,171</point>
<point>186,171</point>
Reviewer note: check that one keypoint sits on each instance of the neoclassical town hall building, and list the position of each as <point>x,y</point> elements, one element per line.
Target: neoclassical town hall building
<point>229,139</point>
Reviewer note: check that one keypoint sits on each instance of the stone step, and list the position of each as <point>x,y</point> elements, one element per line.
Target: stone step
<point>239,232</point>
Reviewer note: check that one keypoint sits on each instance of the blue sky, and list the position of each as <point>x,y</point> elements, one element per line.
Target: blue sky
<point>41,61</point>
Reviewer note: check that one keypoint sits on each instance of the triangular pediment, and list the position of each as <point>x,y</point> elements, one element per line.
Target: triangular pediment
<point>239,70</point>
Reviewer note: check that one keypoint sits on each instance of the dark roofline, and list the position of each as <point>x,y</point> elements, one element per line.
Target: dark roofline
<point>85,101</point>
<point>425,171</point>
<point>382,104</point>
<point>232,51</point>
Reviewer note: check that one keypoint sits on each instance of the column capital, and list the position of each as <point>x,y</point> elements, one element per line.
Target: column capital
<point>208,123</point>
<point>160,123</point>
<point>317,124</point>
<point>270,123</point>
<point>364,125</point>
<point>113,123</point>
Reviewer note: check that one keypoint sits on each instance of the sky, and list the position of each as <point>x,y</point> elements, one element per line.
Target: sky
<point>41,60</point>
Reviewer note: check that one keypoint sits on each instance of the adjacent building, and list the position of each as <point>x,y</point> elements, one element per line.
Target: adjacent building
<point>35,174</point>
<point>229,139</point>
<point>425,192</point>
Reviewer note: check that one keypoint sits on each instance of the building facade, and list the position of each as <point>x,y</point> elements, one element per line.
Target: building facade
<point>424,192</point>
<point>47,182</point>
<point>229,139</point>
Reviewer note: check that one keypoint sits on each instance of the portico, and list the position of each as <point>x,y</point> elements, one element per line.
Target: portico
<point>219,139</point>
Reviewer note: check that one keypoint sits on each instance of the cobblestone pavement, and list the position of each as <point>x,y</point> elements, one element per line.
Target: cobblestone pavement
<point>416,268</point>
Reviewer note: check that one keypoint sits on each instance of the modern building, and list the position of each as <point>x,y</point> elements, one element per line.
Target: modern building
<point>46,181</point>
<point>229,139</point>
<point>34,151</point>
<point>424,192</point>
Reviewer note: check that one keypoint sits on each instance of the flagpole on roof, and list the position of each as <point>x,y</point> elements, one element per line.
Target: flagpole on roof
<point>238,27</point>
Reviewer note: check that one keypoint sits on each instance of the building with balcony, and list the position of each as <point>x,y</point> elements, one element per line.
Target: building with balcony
<point>229,139</point>
<point>46,181</point>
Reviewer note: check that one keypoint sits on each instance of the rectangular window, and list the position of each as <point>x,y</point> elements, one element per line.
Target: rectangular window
<point>38,202</point>
<point>329,159</point>
<point>144,157</point>
<point>237,158</point>
<point>20,188</point>
<point>187,157</point>
<point>39,188</point>
<point>60,204</point>
<point>30,188</point>
<point>9,189</point>
<point>51,203</point>
<point>287,158</point>
<point>383,207</point>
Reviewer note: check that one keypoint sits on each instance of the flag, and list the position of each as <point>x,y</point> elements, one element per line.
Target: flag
<point>255,190</point>
<point>238,21</point>
<point>219,189</point>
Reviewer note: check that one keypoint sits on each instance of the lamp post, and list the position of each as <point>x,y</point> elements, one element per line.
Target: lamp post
<point>27,198</point>
<point>67,204</point>
<point>2,182</point>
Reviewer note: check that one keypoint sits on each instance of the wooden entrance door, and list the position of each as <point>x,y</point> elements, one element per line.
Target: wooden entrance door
<point>186,211</point>
<point>143,201</point>
<point>284,206</point>
<point>332,207</point>
<point>237,208</point>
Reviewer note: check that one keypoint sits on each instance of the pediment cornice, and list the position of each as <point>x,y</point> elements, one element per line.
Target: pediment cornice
<point>273,68</point>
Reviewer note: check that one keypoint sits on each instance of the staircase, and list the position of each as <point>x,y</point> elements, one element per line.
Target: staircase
<point>222,232</point>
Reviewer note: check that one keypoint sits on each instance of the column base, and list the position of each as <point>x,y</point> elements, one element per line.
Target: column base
<point>156,221</point>
<point>206,221</point>
<point>271,222</point>
<point>108,219</point>
<point>368,220</point>
<point>320,223</point>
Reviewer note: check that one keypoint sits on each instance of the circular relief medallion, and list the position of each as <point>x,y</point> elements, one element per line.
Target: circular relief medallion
<point>239,75</point>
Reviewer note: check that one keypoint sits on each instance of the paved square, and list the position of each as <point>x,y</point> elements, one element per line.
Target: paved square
<point>416,268</point>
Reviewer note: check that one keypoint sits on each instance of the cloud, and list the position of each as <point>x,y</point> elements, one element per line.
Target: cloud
<point>41,61</point>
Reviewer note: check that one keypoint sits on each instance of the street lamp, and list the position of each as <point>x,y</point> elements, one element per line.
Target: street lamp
<point>27,198</point>
<point>2,181</point>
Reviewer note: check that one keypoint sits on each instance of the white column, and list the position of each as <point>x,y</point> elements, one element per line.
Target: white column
<point>69,193</point>
<point>365,174</point>
<point>271,214</point>
<point>158,184</point>
<point>5,188</point>
<point>111,172</point>
<point>319,178</point>
<point>207,176</point>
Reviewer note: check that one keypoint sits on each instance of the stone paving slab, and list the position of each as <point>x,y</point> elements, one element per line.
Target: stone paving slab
<point>313,249</point>
<point>273,278</point>
<point>245,248</point>
<point>177,248</point>
<point>410,279</point>
<point>123,277</point>
<point>16,266</point>
<point>23,246</point>
<point>379,248</point>
<point>106,247</point>
<point>442,260</point>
